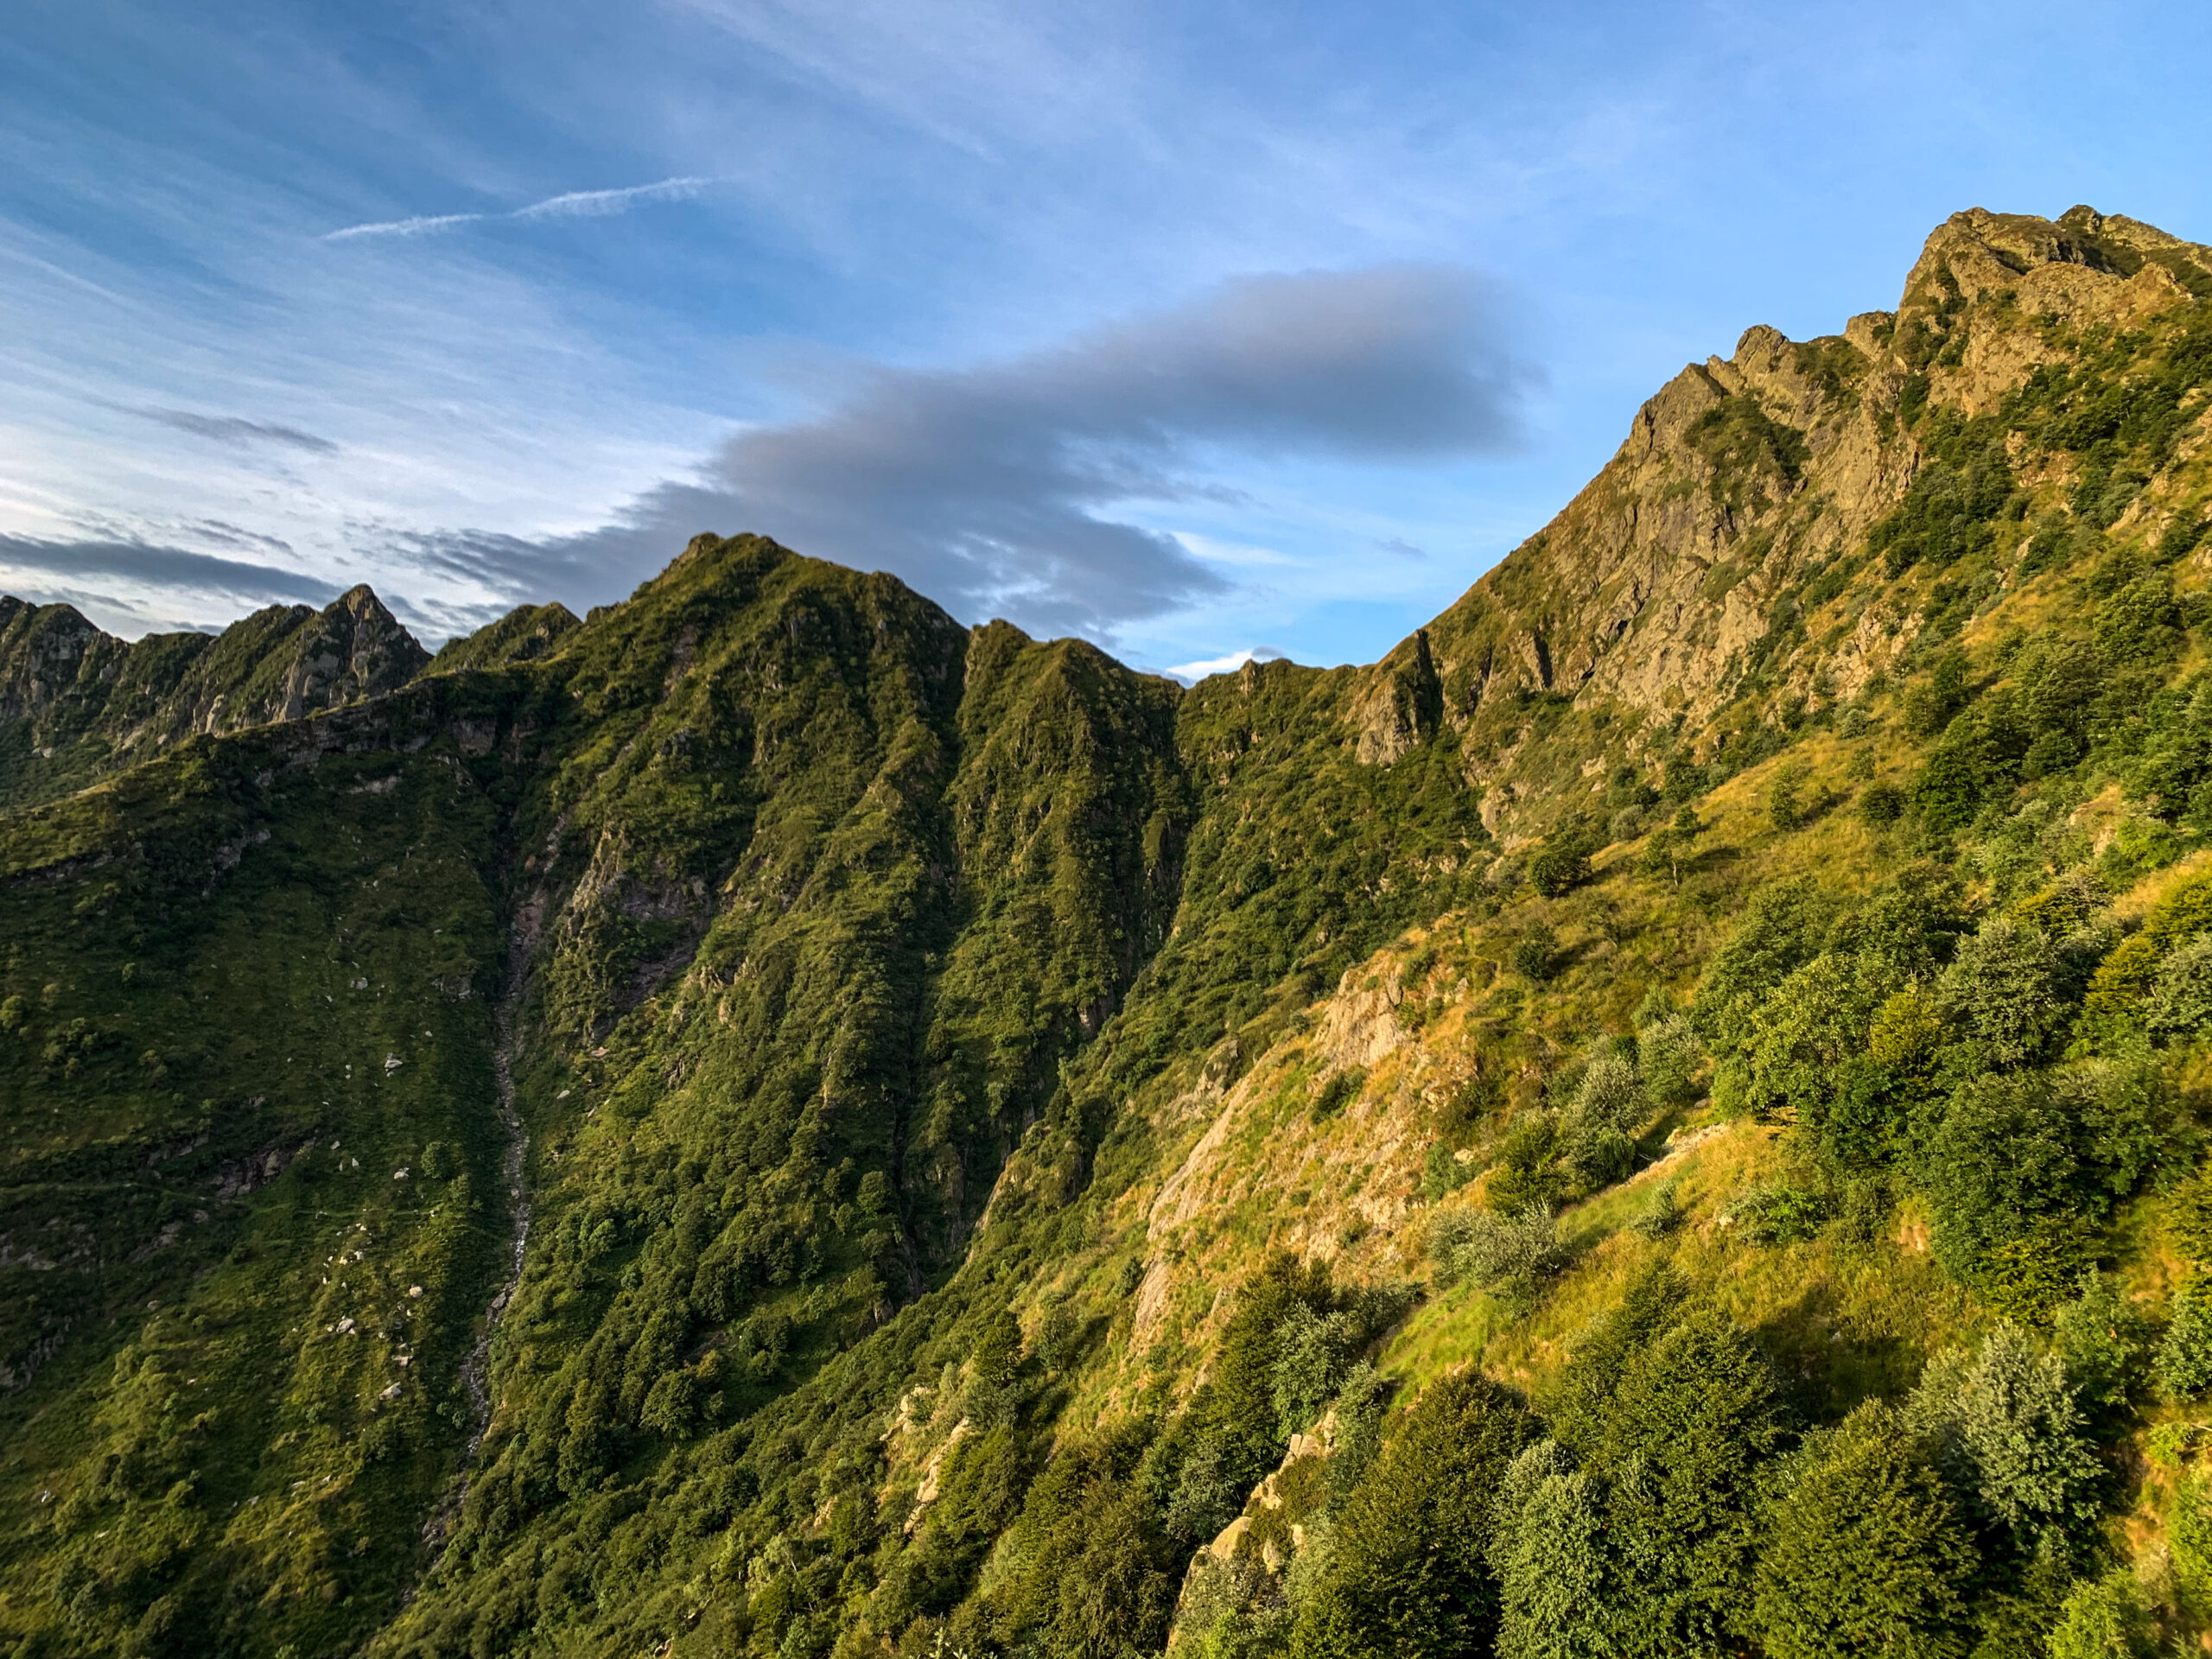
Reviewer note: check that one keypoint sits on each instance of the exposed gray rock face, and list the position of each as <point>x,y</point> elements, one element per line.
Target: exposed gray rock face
<point>77,703</point>
<point>1650,592</point>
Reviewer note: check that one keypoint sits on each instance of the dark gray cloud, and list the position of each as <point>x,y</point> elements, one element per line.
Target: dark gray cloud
<point>231,430</point>
<point>997,490</point>
<point>150,565</point>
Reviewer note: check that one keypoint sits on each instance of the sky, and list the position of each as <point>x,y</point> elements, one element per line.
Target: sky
<point>1202,331</point>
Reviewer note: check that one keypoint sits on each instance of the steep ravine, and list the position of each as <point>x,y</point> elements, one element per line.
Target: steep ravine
<point>474,1376</point>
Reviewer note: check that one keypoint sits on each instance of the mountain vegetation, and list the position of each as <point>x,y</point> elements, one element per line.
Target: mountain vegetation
<point>1667,1117</point>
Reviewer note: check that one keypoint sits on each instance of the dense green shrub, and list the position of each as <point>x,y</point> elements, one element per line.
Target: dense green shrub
<point>1562,863</point>
<point>1931,704</point>
<point>1314,1354</point>
<point>1342,1088</point>
<point>1513,1257</point>
<point>1881,805</point>
<point>1861,1550</point>
<point>2009,1430</point>
<point>2104,1619</point>
<point>1783,925</point>
<point>2003,997</point>
<point>1528,1171</point>
<point>1407,1576</point>
<point>1670,1057</point>
<point>1535,954</point>
<point>2184,1362</point>
<point>2189,1533</point>
<point>1696,1413</point>
<point>2180,1006</point>
<point>1780,1214</point>
<point>1551,1559</point>
<point>2105,1343</point>
<point>2009,1164</point>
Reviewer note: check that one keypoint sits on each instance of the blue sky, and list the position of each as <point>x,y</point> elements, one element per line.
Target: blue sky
<point>1197,329</point>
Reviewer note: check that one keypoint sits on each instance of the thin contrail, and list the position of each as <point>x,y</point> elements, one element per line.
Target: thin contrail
<point>571,204</point>
<point>585,203</point>
<point>414,227</point>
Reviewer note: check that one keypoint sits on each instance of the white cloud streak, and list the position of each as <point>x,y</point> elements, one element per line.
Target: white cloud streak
<point>593,204</point>
<point>422,224</point>
<point>1190,672</point>
<point>570,204</point>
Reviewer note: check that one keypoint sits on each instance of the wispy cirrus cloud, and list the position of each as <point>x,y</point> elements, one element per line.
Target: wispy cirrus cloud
<point>147,565</point>
<point>569,204</point>
<point>236,430</point>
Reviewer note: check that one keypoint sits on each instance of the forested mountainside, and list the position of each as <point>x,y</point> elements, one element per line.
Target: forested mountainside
<point>1665,1117</point>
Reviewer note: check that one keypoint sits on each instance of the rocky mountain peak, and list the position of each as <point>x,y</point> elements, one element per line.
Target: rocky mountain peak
<point>82,704</point>
<point>1677,587</point>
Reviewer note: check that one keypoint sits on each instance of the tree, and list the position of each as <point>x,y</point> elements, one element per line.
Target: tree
<point>1528,1171</point>
<point>995,1394</point>
<point>1562,864</point>
<point>1550,1555</point>
<point>1696,1413</point>
<point>1670,847</point>
<point>1784,926</point>
<point>1514,1257</point>
<point>1577,1403</point>
<point>2000,993</point>
<point>2007,1425</point>
<point>1314,1353</point>
<point>1800,1034</point>
<point>1785,802</point>
<point>1535,955</point>
<point>2006,1166</point>
<point>2181,1001</point>
<point>2103,1340</point>
<point>1085,1569</point>
<point>1611,1094</point>
<point>1930,703</point>
<point>2185,1360</point>
<point>2104,1619</point>
<point>2188,1531</point>
<point>1668,1055</point>
<point>1864,1553</point>
<point>1407,1578</point>
<point>1231,1436</point>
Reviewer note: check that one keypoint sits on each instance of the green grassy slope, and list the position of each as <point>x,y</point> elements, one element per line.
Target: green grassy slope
<point>251,1202</point>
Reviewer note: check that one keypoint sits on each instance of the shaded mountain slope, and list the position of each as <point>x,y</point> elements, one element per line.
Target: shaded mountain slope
<point>1023,1157</point>
<point>77,704</point>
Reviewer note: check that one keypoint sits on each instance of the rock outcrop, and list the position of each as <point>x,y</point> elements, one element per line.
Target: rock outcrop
<point>77,703</point>
<point>1746,478</point>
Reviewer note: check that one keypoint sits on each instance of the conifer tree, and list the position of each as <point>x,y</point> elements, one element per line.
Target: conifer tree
<point>1408,1579</point>
<point>1864,1553</point>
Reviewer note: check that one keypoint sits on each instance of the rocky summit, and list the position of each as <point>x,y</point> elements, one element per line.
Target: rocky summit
<point>1668,1117</point>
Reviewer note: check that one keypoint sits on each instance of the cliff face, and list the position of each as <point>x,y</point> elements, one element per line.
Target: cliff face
<point>1713,563</point>
<point>77,704</point>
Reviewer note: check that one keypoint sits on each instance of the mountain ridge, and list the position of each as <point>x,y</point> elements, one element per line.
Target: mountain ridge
<point>998,1124</point>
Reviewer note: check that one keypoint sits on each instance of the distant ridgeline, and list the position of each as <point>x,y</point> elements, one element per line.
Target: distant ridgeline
<point>1665,1117</point>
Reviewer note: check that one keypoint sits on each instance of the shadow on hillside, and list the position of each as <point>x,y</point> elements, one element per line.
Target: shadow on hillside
<point>1827,1366</point>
